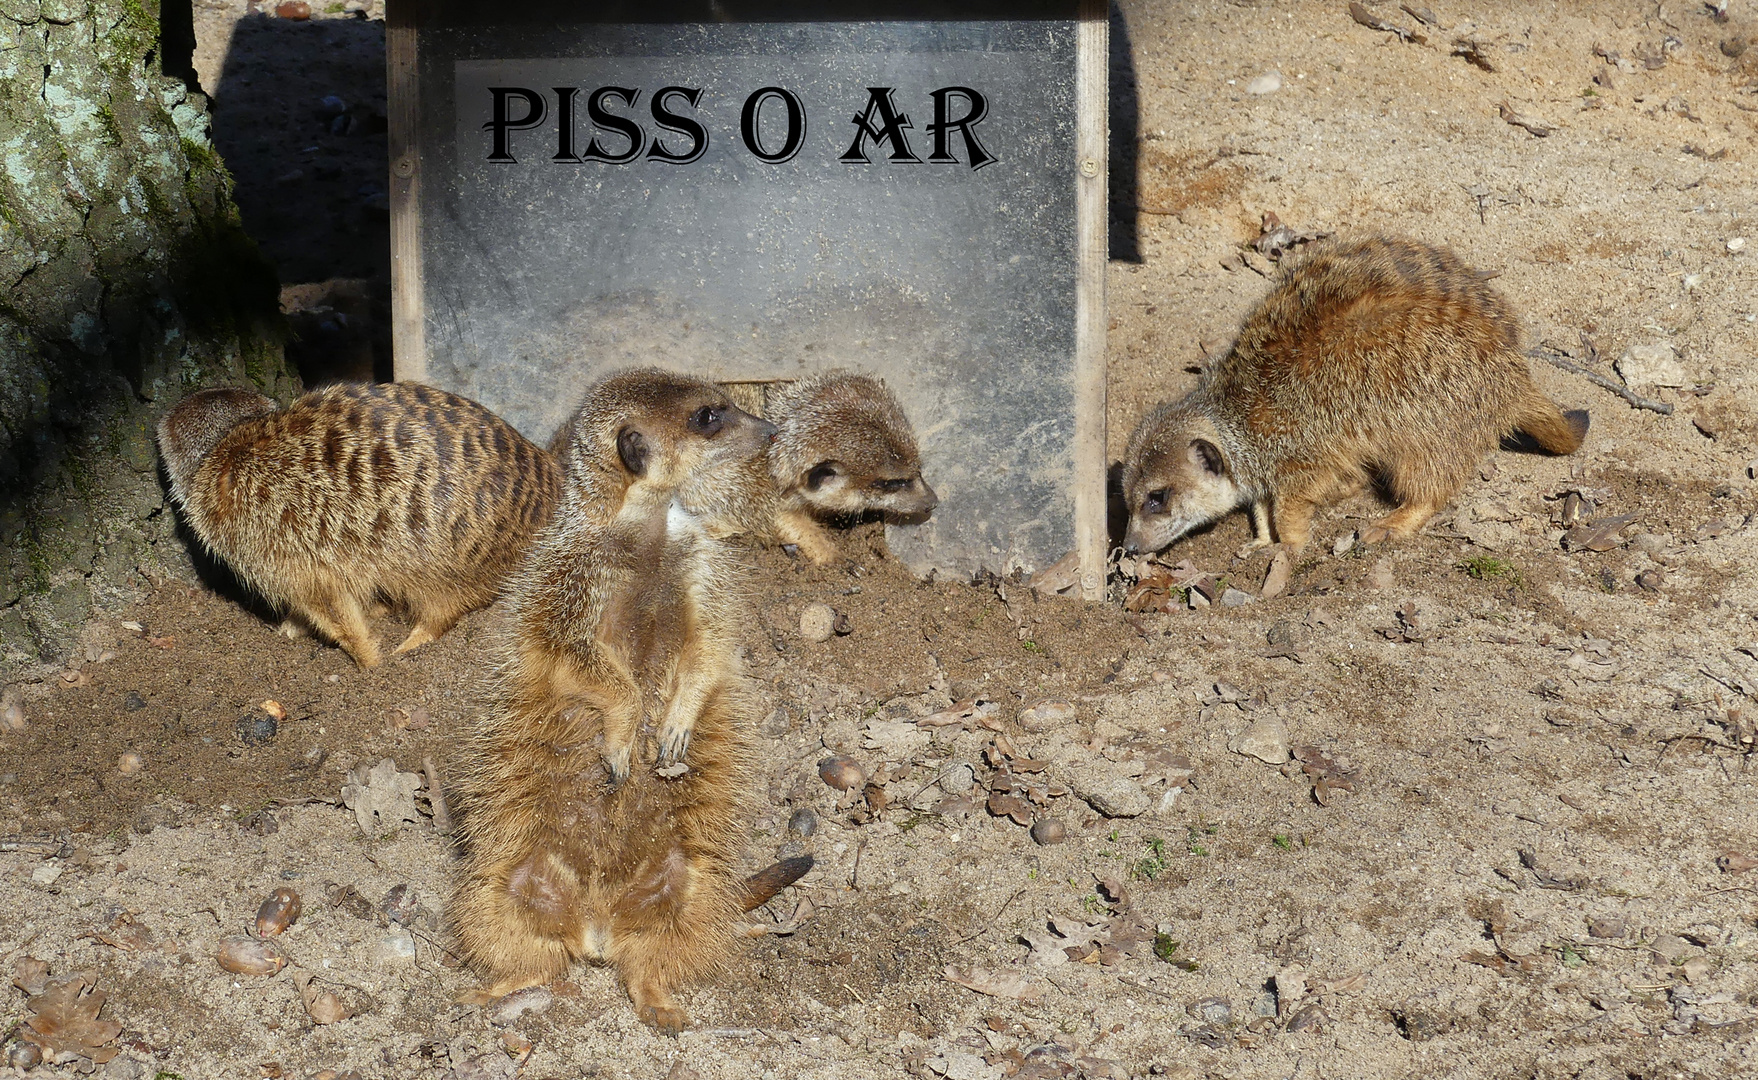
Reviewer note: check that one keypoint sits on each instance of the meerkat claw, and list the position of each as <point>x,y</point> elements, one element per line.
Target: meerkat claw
<point>616,765</point>
<point>674,743</point>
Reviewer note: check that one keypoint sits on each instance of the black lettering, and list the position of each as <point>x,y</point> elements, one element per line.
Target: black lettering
<point>609,121</point>
<point>890,129</point>
<point>564,123</point>
<point>500,123</point>
<point>943,126</point>
<point>796,125</point>
<point>683,125</point>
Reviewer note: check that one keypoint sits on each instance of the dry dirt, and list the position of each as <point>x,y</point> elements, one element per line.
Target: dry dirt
<point>1530,761</point>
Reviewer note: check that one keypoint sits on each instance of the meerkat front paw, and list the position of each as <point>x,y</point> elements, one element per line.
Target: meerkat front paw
<point>674,743</point>
<point>1255,544</point>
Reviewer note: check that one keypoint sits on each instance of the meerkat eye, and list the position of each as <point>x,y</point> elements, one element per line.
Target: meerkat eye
<point>707,420</point>
<point>1155,502</point>
<point>889,486</point>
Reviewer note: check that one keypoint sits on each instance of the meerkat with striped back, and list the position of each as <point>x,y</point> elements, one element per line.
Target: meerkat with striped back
<point>357,494</point>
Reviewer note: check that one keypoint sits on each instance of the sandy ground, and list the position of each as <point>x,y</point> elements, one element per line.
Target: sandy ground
<point>1512,839</point>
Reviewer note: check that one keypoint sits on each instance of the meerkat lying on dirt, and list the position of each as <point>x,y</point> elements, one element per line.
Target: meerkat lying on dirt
<point>842,448</point>
<point>1372,359</point>
<point>359,493</point>
<point>623,647</point>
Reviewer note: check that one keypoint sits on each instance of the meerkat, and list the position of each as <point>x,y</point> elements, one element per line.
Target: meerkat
<point>842,448</point>
<point>622,631</point>
<point>1372,359</point>
<point>356,494</point>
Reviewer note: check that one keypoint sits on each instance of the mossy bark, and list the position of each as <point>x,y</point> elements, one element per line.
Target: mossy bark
<point>126,281</point>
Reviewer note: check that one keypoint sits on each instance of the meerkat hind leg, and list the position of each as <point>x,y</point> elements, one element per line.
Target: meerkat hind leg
<point>336,613</point>
<point>1293,518</point>
<point>432,621</point>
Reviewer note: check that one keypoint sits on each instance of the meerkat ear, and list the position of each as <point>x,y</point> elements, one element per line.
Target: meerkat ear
<point>632,448</point>
<point>824,474</point>
<point>1207,455</point>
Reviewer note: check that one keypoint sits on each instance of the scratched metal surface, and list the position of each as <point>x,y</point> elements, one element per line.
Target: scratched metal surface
<point>955,284</point>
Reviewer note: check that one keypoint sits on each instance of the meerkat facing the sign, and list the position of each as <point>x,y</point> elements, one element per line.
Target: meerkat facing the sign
<point>622,634</point>
<point>842,448</point>
<point>1378,358</point>
<point>357,493</point>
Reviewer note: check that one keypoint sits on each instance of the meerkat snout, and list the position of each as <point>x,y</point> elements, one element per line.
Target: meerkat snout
<point>834,487</point>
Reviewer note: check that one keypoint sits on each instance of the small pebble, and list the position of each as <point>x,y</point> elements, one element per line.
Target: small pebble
<point>1267,83</point>
<point>1651,580</point>
<point>258,728</point>
<point>1344,544</point>
<point>1046,831</point>
<point>1266,739</point>
<point>47,874</point>
<point>1236,598</point>
<point>296,10</point>
<point>398,947</point>
<point>24,1056</point>
<point>250,956</point>
<point>133,702</point>
<point>842,773</point>
<point>1736,245</point>
<point>1047,715</point>
<point>399,905</point>
<point>802,822</point>
<point>129,764</point>
<point>958,779</point>
<point>278,912</point>
<point>513,1007</point>
<point>1211,1010</point>
<point>817,623</point>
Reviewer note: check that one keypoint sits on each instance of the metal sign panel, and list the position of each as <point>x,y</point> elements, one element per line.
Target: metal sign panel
<point>916,190</point>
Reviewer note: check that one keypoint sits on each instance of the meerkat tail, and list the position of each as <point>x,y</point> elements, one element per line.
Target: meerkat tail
<point>761,887</point>
<point>1554,430</point>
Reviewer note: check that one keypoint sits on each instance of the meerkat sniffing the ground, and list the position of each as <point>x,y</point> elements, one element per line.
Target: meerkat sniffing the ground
<point>843,448</point>
<point>622,648</point>
<point>1378,359</point>
<point>357,494</point>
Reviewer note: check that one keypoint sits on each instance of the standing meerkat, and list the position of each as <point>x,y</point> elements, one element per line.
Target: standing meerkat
<point>623,632</point>
<point>842,448</point>
<point>1374,359</point>
<point>358,493</point>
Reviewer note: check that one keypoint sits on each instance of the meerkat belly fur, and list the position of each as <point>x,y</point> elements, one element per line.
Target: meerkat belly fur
<point>843,448</point>
<point>623,633</point>
<point>359,493</point>
<point>1376,359</point>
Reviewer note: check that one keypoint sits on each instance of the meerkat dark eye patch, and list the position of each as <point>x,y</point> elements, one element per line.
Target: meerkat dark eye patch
<point>1208,455</point>
<point>708,420</point>
<point>821,473</point>
<point>632,448</point>
<point>890,485</point>
<point>1155,502</point>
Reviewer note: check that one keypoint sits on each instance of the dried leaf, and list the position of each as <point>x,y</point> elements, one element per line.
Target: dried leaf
<point>1601,535</point>
<point>1537,127</point>
<point>1010,806</point>
<point>1374,22</point>
<point>1731,863</point>
<point>30,974</point>
<point>381,797</point>
<point>65,1024</point>
<point>996,982</point>
<point>958,714</point>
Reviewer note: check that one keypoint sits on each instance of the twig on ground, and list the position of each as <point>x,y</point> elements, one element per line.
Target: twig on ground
<point>993,919</point>
<point>442,818</point>
<point>1635,399</point>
